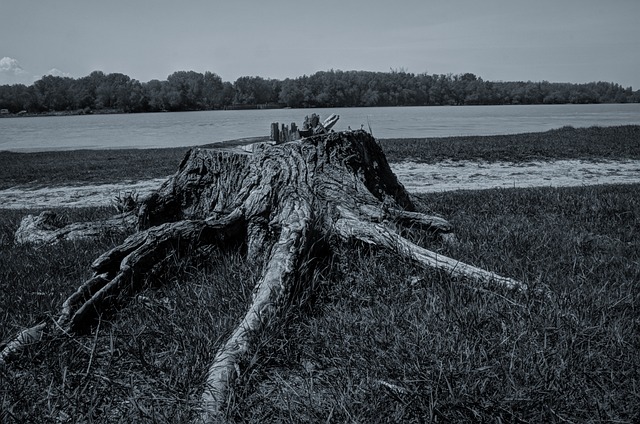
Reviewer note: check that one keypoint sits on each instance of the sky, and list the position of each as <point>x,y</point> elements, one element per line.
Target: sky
<point>499,40</point>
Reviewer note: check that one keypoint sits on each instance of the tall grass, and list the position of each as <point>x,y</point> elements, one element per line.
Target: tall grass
<point>35,281</point>
<point>381,341</point>
<point>390,342</point>
<point>145,364</point>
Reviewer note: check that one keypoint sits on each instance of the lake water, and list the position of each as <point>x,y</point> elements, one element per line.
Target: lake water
<point>150,130</point>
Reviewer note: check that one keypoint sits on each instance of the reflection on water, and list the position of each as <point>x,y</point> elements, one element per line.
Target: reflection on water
<point>179,129</point>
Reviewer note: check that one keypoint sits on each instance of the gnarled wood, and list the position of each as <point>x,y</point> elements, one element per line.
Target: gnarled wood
<point>49,228</point>
<point>267,202</point>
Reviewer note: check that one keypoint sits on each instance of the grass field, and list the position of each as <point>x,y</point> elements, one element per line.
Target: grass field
<point>377,340</point>
<point>595,143</point>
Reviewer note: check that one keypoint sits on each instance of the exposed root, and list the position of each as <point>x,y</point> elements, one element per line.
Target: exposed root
<point>14,347</point>
<point>350,226</point>
<point>278,275</point>
<point>49,228</point>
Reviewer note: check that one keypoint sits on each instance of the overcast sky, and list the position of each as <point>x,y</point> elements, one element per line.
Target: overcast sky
<point>498,40</point>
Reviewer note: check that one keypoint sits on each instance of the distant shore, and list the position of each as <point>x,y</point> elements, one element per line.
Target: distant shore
<point>25,114</point>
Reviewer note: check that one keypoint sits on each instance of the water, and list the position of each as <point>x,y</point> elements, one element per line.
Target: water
<point>150,130</point>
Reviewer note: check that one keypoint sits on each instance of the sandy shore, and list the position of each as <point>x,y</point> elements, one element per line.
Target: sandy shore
<point>416,177</point>
<point>73,196</point>
<point>471,175</point>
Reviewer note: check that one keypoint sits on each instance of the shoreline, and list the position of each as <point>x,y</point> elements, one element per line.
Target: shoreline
<point>418,178</point>
<point>558,158</point>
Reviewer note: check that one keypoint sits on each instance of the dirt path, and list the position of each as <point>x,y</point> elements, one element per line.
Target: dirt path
<point>416,177</point>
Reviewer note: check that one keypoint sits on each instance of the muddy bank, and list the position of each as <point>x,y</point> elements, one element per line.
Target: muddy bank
<point>477,175</point>
<point>416,177</point>
<point>73,196</point>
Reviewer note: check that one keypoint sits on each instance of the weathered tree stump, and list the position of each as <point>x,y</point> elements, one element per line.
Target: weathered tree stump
<point>275,202</point>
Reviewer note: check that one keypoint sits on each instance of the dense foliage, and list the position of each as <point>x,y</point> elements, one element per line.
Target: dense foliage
<point>189,90</point>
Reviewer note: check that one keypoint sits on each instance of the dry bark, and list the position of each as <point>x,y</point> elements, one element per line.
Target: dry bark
<point>49,228</point>
<point>275,202</point>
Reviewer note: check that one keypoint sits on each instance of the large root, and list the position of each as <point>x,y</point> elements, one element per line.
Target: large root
<point>350,226</point>
<point>278,276</point>
<point>119,274</point>
<point>137,256</point>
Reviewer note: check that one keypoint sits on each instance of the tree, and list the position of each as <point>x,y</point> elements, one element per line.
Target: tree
<point>254,90</point>
<point>290,93</point>
<point>284,205</point>
<point>212,91</point>
<point>53,92</point>
<point>113,92</point>
<point>155,93</point>
<point>184,90</point>
<point>440,91</point>
<point>18,97</point>
<point>137,100</point>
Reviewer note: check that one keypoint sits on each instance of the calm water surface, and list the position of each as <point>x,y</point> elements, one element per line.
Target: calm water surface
<point>150,130</point>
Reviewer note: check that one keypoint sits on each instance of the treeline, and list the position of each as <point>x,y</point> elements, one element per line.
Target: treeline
<point>189,90</point>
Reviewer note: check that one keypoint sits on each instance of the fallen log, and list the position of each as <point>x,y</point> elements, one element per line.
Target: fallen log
<point>276,203</point>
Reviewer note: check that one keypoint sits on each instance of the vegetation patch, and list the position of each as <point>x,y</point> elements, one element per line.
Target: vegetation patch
<point>79,167</point>
<point>382,341</point>
<point>387,341</point>
<point>190,90</point>
<point>594,143</point>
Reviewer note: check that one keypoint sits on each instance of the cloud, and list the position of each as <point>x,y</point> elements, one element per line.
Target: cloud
<point>12,73</point>
<point>57,73</point>
<point>10,66</point>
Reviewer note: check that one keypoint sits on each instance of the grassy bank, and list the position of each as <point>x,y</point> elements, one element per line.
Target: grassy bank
<point>96,166</point>
<point>86,166</point>
<point>595,143</point>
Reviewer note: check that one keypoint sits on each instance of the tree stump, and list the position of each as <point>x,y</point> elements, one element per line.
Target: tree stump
<point>276,202</point>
